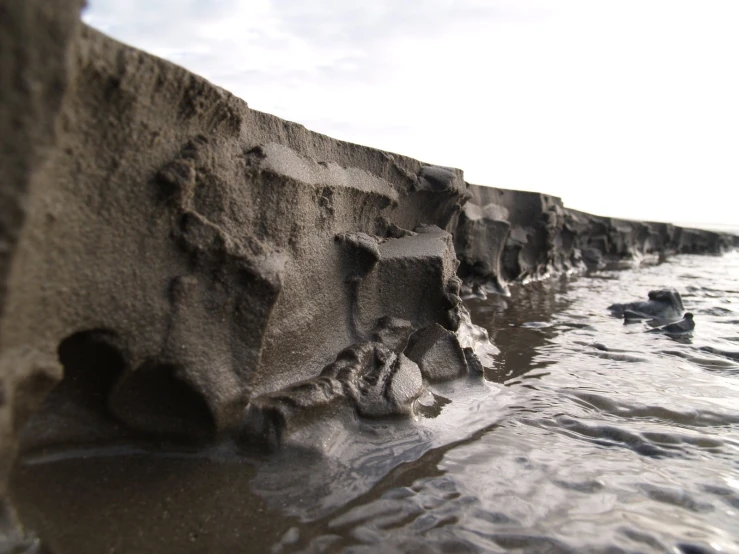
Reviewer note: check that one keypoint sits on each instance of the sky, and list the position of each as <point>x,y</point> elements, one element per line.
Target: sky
<point>626,108</point>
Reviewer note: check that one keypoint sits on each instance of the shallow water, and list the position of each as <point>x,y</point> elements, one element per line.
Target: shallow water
<point>589,435</point>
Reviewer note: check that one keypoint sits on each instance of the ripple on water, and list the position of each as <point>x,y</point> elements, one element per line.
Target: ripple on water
<point>691,417</point>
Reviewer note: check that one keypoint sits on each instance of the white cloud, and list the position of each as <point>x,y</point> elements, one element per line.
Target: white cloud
<point>624,108</point>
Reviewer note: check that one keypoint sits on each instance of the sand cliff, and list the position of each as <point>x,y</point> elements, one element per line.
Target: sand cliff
<point>173,263</point>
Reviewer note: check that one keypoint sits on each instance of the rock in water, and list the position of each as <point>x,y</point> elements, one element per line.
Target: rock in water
<point>367,377</point>
<point>663,305</point>
<point>438,353</point>
<point>682,327</point>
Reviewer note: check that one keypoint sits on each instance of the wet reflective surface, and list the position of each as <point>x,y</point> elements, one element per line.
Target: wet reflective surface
<point>589,435</point>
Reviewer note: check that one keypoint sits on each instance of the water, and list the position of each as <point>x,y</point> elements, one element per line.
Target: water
<point>589,435</point>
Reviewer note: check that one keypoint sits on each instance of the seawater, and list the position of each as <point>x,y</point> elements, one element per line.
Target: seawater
<point>588,435</point>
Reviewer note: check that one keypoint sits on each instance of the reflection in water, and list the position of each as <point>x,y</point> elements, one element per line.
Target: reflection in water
<point>521,326</point>
<point>588,435</point>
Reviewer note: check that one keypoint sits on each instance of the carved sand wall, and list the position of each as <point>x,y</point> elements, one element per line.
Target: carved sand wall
<point>173,263</point>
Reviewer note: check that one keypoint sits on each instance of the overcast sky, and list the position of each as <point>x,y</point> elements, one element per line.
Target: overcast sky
<point>627,108</point>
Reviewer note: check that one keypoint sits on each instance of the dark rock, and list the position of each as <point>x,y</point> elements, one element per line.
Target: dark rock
<point>388,389</point>
<point>438,353</point>
<point>378,381</point>
<point>367,377</point>
<point>404,385</point>
<point>663,305</point>
<point>682,327</point>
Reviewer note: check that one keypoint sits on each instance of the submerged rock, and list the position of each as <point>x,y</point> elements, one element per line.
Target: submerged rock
<point>438,353</point>
<point>682,327</point>
<point>663,305</point>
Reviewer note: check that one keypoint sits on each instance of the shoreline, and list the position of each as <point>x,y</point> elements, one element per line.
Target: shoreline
<point>177,264</point>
